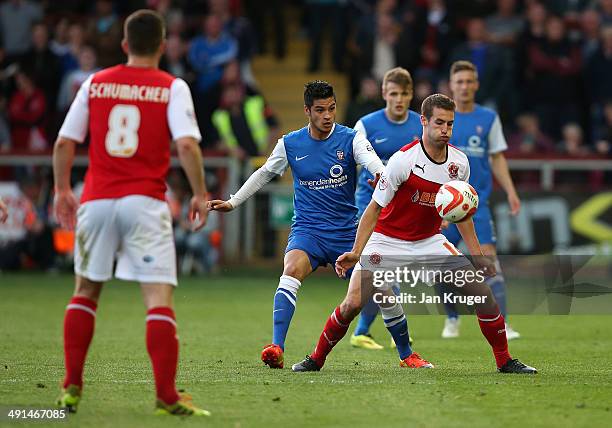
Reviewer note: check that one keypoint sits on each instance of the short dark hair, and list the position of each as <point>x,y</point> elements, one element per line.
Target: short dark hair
<point>399,76</point>
<point>436,100</point>
<point>317,90</point>
<point>144,31</point>
<point>463,65</point>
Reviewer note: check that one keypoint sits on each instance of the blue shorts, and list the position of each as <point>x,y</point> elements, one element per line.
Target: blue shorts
<point>321,249</point>
<point>483,223</point>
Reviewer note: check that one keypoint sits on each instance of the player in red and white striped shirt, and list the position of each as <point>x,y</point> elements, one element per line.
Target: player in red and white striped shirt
<point>131,112</point>
<point>400,227</point>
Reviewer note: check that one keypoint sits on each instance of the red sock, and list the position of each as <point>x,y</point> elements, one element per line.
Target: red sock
<point>493,327</point>
<point>162,345</point>
<point>335,329</point>
<point>79,322</point>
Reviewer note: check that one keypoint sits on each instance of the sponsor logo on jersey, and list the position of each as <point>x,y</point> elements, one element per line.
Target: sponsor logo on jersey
<point>340,154</point>
<point>336,171</point>
<point>479,129</point>
<point>453,171</point>
<point>422,168</point>
<point>380,140</point>
<point>297,159</point>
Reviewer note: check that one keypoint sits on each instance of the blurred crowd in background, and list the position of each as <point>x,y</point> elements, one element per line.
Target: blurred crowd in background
<point>544,65</point>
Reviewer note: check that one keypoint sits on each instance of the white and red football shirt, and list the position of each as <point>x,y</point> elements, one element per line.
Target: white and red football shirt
<point>131,114</point>
<point>407,191</point>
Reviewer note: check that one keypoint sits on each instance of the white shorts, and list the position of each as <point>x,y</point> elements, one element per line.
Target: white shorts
<point>385,252</point>
<point>135,230</point>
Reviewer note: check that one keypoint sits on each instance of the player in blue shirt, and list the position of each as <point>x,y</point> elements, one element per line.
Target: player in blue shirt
<point>388,130</point>
<point>478,133</point>
<point>323,157</point>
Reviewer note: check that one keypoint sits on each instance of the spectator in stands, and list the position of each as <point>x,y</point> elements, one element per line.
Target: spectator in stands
<point>572,142</point>
<point>605,8</point>
<point>175,61</point>
<point>258,12</point>
<point>74,79</point>
<point>555,64</point>
<point>27,109</point>
<point>602,133</point>
<point>43,63</point>
<point>239,28</point>
<point>5,130</point>
<point>59,44</point>
<point>76,40</point>
<point>533,33</point>
<point>599,71</point>
<point>319,12</point>
<point>494,64</point>
<point>589,26</point>
<point>505,26</point>
<point>246,127</point>
<point>374,52</point>
<point>208,55</point>
<point>16,20</point>
<point>438,36</point>
<point>104,31</point>
<point>529,139</point>
<point>368,100</point>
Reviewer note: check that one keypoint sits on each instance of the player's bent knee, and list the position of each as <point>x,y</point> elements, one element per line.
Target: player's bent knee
<point>156,295</point>
<point>86,288</point>
<point>350,307</point>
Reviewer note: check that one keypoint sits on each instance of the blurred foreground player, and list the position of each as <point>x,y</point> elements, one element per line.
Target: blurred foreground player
<point>323,157</point>
<point>478,133</point>
<point>131,112</point>
<point>401,221</point>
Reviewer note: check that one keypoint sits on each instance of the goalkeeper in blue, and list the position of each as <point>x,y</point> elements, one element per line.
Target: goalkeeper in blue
<point>323,157</point>
<point>478,133</point>
<point>388,130</point>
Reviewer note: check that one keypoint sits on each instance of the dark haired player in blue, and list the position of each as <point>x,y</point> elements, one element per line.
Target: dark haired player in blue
<point>323,157</point>
<point>478,133</point>
<point>388,130</point>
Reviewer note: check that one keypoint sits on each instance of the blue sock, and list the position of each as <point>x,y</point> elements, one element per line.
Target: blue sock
<point>396,323</point>
<point>367,317</point>
<point>450,308</point>
<point>284,306</point>
<point>498,287</point>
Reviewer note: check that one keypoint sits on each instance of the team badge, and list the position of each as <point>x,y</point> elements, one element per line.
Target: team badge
<point>382,183</point>
<point>453,171</point>
<point>375,259</point>
<point>340,154</point>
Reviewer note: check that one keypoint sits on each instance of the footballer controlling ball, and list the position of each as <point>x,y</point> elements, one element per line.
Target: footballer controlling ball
<point>456,201</point>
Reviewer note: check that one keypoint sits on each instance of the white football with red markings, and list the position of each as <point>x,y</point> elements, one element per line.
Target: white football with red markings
<point>456,201</point>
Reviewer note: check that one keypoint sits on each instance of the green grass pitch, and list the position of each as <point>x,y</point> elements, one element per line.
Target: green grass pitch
<point>223,323</point>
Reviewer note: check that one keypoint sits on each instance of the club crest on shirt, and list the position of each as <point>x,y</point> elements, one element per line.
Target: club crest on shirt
<point>340,154</point>
<point>375,258</point>
<point>382,183</point>
<point>453,171</point>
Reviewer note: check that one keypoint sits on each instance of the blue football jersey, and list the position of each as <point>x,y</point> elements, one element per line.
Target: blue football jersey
<point>386,137</point>
<point>479,134</point>
<point>324,179</point>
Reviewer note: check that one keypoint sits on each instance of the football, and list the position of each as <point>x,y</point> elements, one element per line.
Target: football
<point>456,201</point>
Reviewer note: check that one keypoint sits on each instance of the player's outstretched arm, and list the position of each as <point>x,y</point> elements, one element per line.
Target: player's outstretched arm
<point>276,164</point>
<point>190,156</point>
<point>65,203</point>
<point>500,169</point>
<point>468,233</point>
<point>3,212</point>
<point>366,226</point>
